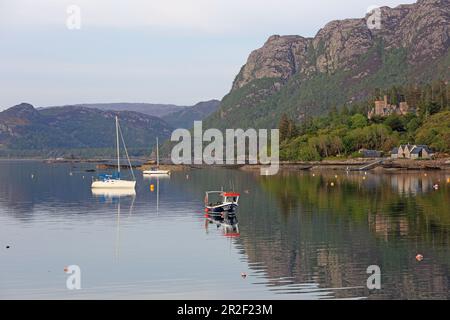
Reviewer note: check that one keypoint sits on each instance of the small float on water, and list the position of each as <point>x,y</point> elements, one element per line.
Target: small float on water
<point>225,202</point>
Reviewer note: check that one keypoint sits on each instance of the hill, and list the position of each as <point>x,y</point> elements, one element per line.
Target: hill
<point>185,118</point>
<point>342,65</point>
<point>75,130</point>
<point>151,109</point>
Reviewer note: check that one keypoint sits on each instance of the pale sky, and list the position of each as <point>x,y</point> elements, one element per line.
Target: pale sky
<point>156,51</point>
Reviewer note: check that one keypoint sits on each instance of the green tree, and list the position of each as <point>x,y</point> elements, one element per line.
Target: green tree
<point>283,126</point>
<point>435,132</point>
<point>394,122</point>
<point>358,121</point>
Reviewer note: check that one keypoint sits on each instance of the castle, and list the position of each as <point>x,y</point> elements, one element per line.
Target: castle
<point>383,108</point>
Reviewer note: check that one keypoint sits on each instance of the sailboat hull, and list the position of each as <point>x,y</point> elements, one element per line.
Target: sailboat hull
<point>114,184</point>
<point>156,172</point>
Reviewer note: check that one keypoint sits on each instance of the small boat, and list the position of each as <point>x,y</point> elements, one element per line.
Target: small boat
<point>105,181</point>
<point>156,170</point>
<point>226,202</point>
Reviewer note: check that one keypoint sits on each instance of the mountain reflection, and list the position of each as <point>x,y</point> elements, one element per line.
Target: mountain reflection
<point>329,227</point>
<point>301,234</point>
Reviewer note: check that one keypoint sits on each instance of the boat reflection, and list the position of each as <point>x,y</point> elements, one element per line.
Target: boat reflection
<point>148,176</point>
<point>115,197</point>
<point>228,222</point>
<point>113,193</point>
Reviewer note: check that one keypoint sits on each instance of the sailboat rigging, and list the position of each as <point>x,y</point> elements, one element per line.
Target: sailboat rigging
<point>156,170</point>
<point>114,180</point>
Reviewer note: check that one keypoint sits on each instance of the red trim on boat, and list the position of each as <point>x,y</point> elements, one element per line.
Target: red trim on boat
<point>231,194</point>
<point>232,235</point>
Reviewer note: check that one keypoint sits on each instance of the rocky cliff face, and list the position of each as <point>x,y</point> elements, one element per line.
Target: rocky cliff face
<point>422,28</point>
<point>411,45</point>
<point>280,57</point>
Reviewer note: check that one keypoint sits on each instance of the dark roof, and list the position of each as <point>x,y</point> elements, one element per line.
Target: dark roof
<point>427,149</point>
<point>403,146</point>
<point>413,148</point>
<point>371,153</point>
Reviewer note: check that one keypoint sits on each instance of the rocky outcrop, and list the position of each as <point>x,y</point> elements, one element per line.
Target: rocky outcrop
<point>280,57</point>
<point>341,65</point>
<point>421,28</point>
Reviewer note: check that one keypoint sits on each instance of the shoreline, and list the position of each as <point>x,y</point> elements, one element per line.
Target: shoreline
<point>359,164</point>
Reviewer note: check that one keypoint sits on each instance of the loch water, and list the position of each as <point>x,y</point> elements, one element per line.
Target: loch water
<point>300,235</point>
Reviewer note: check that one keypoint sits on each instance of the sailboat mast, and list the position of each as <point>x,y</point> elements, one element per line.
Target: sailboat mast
<point>157,152</point>
<point>118,146</point>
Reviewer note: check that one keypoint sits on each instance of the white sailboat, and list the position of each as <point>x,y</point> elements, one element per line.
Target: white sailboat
<point>156,170</point>
<point>106,181</point>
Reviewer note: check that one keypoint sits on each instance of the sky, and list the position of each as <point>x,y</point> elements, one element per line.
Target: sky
<point>155,51</point>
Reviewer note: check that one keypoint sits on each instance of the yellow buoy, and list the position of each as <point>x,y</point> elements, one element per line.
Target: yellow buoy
<point>152,187</point>
<point>332,184</point>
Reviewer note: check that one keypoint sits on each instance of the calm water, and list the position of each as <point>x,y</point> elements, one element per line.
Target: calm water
<point>301,235</point>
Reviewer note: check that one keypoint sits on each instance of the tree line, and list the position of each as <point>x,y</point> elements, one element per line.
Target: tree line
<point>346,130</point>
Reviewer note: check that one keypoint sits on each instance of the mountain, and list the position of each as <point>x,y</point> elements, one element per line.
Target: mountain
<point>176,116</point>
<point>343,64</point>
<point>25,130</point>
<point>185,118</point>
<point>151,109</point>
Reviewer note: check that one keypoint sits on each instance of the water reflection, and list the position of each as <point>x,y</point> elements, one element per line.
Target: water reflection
<point>116,196</point>
<point>308,235</point>
<point>334,225</point>
<point>227,222</point>
<point>117,193</point>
